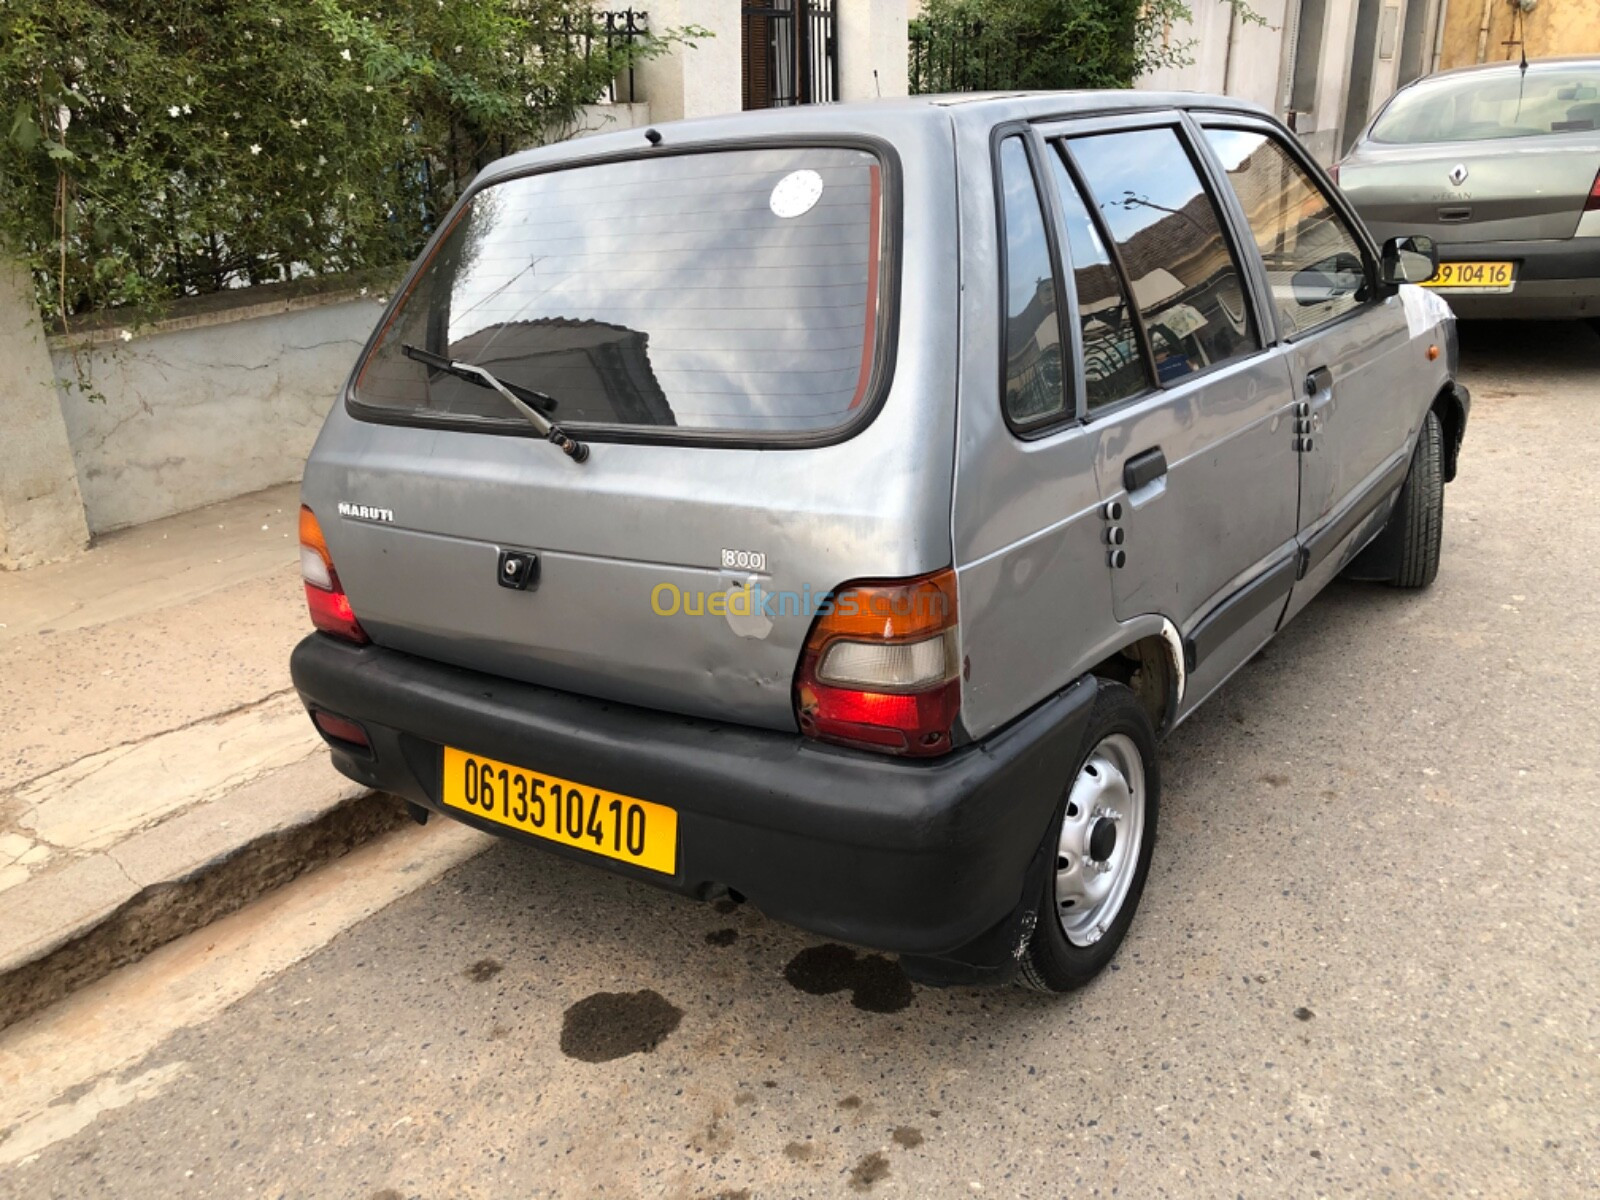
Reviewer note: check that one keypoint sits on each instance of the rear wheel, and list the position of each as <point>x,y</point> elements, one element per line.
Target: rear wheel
<point>1103,834</point>
<point>1419,513</point>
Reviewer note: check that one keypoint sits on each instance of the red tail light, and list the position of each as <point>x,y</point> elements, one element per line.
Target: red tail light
<point>881,668</point>
<point>1593,203</point>
<point>330,607</point>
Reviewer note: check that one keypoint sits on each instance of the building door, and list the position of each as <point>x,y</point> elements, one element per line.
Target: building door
<point>789,54</point>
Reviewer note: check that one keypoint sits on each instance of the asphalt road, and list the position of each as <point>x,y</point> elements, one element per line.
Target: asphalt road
<point>1367,962</point>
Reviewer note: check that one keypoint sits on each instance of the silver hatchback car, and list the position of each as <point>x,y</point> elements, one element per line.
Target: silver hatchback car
<point>833,506</point>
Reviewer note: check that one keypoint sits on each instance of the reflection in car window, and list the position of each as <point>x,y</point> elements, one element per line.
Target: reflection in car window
<point>1476,107</point>
<point>1032,333</point>
<point>1183,273</point>
<point>1113,367</point>
<point>1313,259</point>
<point>736,291</point>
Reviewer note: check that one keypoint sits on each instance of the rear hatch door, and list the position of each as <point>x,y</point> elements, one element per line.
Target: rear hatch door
<point>718,327</point>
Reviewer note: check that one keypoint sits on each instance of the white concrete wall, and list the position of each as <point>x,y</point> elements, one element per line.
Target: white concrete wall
<point>1231,58</point>
<point>873,48</point>
<point>1250,62</point>
<point>701,81</point>
<point>190,416</point>
<point>706,80</point>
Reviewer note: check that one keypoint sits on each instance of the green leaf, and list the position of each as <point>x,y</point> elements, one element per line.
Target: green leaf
<point>24,132</point>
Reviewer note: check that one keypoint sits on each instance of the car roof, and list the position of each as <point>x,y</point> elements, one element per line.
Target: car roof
<point>899,119</point>
<point>1508,65</point>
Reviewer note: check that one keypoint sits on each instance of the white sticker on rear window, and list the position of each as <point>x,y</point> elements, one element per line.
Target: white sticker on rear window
<point>797,193</point>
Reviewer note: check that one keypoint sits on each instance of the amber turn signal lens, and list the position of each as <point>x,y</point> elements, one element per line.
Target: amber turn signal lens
<point>1433,353</point>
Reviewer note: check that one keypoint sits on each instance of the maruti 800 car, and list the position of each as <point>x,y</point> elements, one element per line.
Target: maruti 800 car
<point>833,506</point>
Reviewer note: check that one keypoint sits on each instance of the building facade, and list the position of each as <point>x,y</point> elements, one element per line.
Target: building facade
<point>1327,66</point>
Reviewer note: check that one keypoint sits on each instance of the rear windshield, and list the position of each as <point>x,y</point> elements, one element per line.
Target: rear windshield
<point>734,292</point>
<point>1503,104</point>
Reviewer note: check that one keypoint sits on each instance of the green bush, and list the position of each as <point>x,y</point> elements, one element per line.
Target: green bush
<point>971,45</point>
<point>148,147</point>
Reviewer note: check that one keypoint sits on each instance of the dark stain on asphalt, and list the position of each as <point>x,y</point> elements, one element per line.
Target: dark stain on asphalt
<point>726,905</point>
<point>610,1025</point>
<point>908,1136</point>
<point>875,983</point>
<point>851,1101</point>
<point>799,1151</point>
<point>733,1194</point>
<point>386,1194</point>
<point>1276,780</point>
<point>484,970</point>
<point>868,1171</point>
<point>1303,1014</point>
<point>722,937</point>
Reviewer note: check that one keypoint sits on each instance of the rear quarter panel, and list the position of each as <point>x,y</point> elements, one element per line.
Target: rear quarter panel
<point>1035,591</point>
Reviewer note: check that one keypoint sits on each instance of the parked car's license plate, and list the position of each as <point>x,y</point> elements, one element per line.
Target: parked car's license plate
<point>574,814</point>
<point>1480,276</point>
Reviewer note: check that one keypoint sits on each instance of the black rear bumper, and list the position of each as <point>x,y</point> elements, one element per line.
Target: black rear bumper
<point>930,859</point>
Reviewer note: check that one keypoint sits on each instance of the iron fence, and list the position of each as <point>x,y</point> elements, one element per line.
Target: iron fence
<point>955,57</point>
<point>611,29</point>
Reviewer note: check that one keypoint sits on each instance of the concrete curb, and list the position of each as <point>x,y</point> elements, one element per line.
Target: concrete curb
<point>64,929</point>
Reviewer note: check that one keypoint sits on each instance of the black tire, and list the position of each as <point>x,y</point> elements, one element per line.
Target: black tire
<point>1053,963</point>
<point>1419,513</point>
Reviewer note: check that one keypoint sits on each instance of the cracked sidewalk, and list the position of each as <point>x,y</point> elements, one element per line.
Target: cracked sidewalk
<point>151,747</point>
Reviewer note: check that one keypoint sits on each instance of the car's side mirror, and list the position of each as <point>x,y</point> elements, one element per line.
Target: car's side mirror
<point>1413,259</point>
<point>1341,275</point>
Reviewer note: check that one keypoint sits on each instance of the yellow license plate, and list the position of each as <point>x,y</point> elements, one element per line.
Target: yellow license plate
<point>574,814</point>
<point>1480,276</point>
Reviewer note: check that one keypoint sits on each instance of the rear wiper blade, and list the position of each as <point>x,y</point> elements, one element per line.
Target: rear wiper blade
<point>551,432</point>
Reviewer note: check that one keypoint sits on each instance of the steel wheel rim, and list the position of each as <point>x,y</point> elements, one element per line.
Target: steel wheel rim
<point>1102,832</point>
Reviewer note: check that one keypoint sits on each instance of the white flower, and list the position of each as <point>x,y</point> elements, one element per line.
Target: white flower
<point>322,160</point>
<point>186,110</point>
<point>458,49</point>
<point>255,147</point>
<point>126,335</point>
<point>173,111</point>
<point>345,54</point>
<point>224,135</point>
<point>352,195</point>
<point>369,87</point>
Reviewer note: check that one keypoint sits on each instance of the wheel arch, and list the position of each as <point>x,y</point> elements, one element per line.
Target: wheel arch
<point>1149,663</point>
<point>1451,410</point>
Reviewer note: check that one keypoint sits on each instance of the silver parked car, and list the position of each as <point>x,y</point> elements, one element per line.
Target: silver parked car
<point>833,505</point>
<point>1500,165</point>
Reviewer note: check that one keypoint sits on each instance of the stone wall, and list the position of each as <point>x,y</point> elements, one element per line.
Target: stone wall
<point>204,406</point>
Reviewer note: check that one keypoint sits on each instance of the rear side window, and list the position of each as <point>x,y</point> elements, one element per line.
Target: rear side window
<point>1169,235</point>
<point>1313,258</point>
<point>1034,376</point>
<point>1113,364</point>
<point>736,292</point>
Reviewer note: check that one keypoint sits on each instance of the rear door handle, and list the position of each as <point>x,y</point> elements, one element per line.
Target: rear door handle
<point>1144,469</point>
